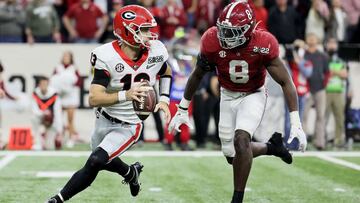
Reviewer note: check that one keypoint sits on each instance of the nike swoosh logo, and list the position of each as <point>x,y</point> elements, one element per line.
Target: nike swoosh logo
<point>149,66</point>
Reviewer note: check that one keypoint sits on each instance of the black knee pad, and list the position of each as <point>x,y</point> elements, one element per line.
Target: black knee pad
<point>98,159</point>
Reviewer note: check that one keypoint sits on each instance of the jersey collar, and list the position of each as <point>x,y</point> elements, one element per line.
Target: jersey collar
<point>133,64</point>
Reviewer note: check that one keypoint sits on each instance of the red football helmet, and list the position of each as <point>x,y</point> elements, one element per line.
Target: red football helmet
<point>128,24</point>
<point>235,24</point>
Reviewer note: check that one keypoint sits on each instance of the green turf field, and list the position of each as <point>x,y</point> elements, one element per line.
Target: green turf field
<point>186,179</point>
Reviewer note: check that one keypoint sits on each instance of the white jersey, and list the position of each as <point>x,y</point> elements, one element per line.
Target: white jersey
<point>64,81</point>
<point>124,73</point>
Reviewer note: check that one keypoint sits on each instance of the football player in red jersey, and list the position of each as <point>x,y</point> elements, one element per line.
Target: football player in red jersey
<point>241,54</point>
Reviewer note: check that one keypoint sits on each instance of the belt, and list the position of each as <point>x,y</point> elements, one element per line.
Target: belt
<point>110,118</point>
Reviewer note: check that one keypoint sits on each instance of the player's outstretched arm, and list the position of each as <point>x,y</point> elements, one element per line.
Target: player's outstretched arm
<point>280,74</point>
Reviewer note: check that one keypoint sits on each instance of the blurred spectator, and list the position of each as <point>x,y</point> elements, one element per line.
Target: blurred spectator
<point>302,7</point>
<point>337,24</point>
<point>201,113</point>
<point>70,3</point>
<point>84,28</point>
<point>335,89</point>
<point>317,83</point>
<point>270,4</point>
<point>172,17</point>
<point>66,80</point>
<point>47,119</point>
<point>60,8</point>
<point>155,11</point>
<point>207,14</point>
<point>128,2</point>
<point>12,20</point>
<point>283,22</point>
<point>352,9</point>
<point>13,98</point>
<point>181,64</point>
<point>190,7</point>
<point>261,13</point>
<point>42,23</point>
<point>3,92</point>
<point>108,34</point>
<point>318,19</point>
<point>300,70</point>
<point>212,101</point>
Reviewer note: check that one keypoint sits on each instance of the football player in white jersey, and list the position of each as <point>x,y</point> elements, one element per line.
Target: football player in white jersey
<point>119,68</point>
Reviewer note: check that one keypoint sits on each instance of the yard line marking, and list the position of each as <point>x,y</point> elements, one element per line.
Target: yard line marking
<point>54,174</point>
<point>6,160</point>
<point>247,189</point>
<point>339,162</point>
<point>155,189</point>
<point>167,153</point>
<point>339,189</point>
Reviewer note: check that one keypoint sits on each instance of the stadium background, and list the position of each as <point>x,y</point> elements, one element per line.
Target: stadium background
<point>170,177</point>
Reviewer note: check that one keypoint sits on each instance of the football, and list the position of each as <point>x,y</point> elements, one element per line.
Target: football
<point>147,105</point>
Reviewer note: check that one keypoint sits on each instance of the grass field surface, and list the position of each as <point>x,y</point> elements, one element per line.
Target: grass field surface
<point>193,177</point>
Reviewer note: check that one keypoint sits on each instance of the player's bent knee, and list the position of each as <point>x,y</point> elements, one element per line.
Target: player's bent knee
<point>241,141</point>
<point>98,158</point>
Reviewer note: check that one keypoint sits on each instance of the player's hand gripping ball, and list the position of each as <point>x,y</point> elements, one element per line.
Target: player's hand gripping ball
<point>147,103</point>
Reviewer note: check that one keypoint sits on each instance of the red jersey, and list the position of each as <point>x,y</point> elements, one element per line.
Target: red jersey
<point>86,19</point>
<point>300,81</point>
<point>240,69</point>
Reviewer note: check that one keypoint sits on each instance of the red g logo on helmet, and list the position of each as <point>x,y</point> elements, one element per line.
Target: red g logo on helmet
<point>235,24</point>
<point>132,25</point>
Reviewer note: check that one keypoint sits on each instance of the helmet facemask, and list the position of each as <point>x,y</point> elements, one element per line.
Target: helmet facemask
<point>139,35</point>
<point>231,36</point>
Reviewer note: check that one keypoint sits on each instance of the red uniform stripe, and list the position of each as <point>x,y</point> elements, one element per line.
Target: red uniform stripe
<point>128,143</point>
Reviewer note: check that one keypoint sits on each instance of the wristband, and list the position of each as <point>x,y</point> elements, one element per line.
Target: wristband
<point>295,119</point>
<point>165,99</point>
<point>184,104</point>
<point>122,96</point>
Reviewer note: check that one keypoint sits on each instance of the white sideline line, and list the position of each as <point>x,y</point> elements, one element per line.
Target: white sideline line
<point>6,160</point>
<point>167,153</point>
<point>339,162</point>
<point>54,174</point>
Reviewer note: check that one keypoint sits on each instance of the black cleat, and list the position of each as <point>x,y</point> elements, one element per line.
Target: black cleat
<point>279,148</point>
<point>55,199</point>
<point>134,180</point>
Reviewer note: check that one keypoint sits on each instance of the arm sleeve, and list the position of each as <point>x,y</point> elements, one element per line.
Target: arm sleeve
<point>101,77</point>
